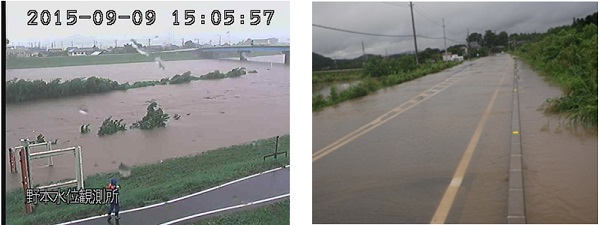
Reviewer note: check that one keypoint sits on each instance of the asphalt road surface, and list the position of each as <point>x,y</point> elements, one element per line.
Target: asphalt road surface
<point>433,150</point>
<point>265,187</point>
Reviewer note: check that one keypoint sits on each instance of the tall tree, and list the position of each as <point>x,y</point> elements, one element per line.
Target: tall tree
<point>189,44</point>
<point>502,38</point>
<point>489,39</point>
<point>475,37</point>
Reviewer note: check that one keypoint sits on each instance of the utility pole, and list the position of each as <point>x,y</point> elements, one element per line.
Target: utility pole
<point>148,41</point>
<point>468,36</point>
<point>445,47</point>
<point>467,40</point>
<point>364,54</point>
<point>115,43</point>
<point>414,33</point>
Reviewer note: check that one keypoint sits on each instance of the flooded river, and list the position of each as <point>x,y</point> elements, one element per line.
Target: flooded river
<point>214,113</point>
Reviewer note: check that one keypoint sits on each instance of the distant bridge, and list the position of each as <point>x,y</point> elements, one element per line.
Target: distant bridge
<point>285,49</point>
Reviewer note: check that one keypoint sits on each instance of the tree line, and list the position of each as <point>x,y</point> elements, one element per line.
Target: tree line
<point>21,90</point>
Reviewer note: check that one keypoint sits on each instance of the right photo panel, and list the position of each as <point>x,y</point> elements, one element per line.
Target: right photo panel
<point>448,112</point>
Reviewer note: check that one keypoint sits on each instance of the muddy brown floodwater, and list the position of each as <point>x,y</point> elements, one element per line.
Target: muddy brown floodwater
<point>560,165</point>
<point>214,113</point>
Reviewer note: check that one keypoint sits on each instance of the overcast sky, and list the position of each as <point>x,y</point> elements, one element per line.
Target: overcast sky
<point>394,18</point>
<point>84,32</point>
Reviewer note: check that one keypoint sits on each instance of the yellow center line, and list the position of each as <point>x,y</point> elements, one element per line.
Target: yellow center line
<point>380,120</point>
<point>444,207</point>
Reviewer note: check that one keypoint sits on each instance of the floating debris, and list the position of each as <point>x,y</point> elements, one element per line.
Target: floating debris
<point>84,129</point>
<point>160,63</point>
<point>124,170</point>
<point>83,109</point>
<point>138,48</point>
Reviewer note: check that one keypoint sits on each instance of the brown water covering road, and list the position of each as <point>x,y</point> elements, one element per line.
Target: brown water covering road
<point>560,166</point>
<point>399,171</point>
<point>215,113</point>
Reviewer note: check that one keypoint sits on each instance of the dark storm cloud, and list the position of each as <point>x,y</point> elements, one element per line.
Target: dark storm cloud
<point>394,18</point>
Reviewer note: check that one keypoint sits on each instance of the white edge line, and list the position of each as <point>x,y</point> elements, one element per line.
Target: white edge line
<point>177,199</point>
<point>224,209</point>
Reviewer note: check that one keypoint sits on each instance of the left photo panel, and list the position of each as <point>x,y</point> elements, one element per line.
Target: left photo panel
<point>146,112</point>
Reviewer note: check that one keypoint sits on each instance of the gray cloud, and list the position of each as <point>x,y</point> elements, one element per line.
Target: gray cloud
<point>394,18</point>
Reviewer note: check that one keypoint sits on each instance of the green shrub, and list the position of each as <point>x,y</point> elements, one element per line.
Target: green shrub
<point>110,126</point>
<point>154,118</point>
<point>568,57</point>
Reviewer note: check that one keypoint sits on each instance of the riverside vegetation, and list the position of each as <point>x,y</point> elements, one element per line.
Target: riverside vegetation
<point>20,90</point>
<point>379,73</point>
<point>568,57</point>
<point>154,118</point>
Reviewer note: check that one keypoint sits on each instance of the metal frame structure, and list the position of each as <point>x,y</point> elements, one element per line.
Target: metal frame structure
<point>48,146</point>
<point>274,154</point>
<point>26,158</point>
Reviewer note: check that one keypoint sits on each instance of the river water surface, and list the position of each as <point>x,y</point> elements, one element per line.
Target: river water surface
<point>214,113</point>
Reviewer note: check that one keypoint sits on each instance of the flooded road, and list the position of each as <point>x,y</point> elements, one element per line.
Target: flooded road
<point>390,157</point>
<point>560,165</point>
<point>214,113</point>
<point>398,171</point>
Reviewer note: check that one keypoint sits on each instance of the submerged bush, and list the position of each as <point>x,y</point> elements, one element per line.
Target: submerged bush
<point>154,118</point>
<point>110,126</point>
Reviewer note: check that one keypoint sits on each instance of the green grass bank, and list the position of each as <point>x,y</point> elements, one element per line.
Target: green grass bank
<point>275,214</point>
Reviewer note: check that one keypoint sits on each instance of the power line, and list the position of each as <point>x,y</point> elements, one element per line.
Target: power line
<point>389,3</point>
<point>374,34</point>
<point>454,41</point>
<point>360,32</point>
<point>426,17</point>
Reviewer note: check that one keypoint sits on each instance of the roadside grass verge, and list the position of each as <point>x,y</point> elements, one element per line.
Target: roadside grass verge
<point>568,57</point>
<point>368,85</point>
<point>153,183</point>
<point>274,214</point>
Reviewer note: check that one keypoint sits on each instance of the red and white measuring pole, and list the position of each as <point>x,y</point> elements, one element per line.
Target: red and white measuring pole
<point>24,153</point>
<point>11,159</point>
